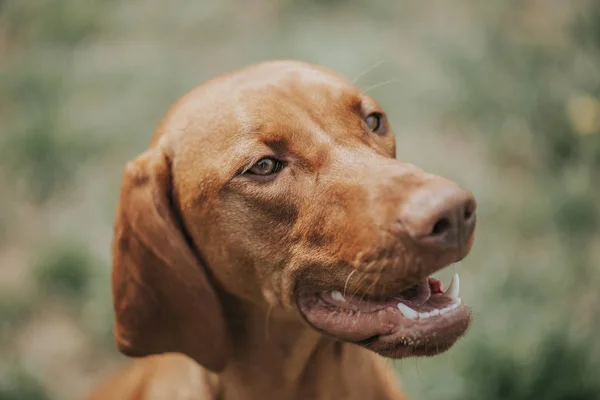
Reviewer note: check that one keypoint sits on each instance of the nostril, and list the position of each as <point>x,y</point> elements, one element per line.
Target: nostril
<point>441,226</point>
<point>469,211</point>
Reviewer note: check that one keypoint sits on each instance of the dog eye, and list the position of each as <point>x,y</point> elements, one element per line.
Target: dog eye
<point>374,121</point>
<point>265,166</point>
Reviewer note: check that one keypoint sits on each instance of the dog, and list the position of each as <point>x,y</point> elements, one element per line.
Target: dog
<point>269,245</point>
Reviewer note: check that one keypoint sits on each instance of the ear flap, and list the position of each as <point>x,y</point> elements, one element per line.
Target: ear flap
<point>163,300</point>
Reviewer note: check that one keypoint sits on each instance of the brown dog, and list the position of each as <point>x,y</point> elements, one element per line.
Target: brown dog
<point>270,235</point>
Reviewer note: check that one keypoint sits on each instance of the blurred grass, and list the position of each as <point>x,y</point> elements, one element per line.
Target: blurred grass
<point>503,97</point>
<point>495,376</point>
<point>20,385</point>
<point>65,272</point>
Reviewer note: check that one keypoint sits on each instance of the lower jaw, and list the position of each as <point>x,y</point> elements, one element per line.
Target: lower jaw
<point>421,342</point>
<point>391,347</point>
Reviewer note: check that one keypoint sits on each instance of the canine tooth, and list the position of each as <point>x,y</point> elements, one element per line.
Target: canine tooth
<point>407,311</point>
<point>424,315</point>
<point>454,287</point>
<point>434,312</point>
<point>337,295</point>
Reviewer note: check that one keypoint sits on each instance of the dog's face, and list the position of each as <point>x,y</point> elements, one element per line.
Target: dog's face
<point>286,183</point>
<point>278,185</point>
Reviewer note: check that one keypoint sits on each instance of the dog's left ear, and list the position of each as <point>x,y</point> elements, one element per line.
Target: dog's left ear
<point>163,298</point>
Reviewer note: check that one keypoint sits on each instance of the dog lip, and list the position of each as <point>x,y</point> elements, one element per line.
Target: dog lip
<point>395,327</point>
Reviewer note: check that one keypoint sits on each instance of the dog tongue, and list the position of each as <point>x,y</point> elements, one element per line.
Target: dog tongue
<point>436,286</point>
<point>416,295</point>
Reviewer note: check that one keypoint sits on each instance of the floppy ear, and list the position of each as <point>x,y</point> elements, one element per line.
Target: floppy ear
<point>163,300</point>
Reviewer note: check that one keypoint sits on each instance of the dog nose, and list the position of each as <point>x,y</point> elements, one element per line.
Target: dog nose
<point>439,214</point>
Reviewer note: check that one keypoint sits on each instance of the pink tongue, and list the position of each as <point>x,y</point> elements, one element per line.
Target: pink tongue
<point>436,286</point>
<point>416,295</point>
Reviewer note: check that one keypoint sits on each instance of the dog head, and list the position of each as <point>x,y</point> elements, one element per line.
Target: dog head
<point>279,184</point>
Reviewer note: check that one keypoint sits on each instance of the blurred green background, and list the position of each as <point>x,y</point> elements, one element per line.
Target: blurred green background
<point>501,96</point>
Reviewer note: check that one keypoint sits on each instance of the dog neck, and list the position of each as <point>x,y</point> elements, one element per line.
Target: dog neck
<point>279,358</point>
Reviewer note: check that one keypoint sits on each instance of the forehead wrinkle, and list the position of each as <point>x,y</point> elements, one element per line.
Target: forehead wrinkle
<point>330,107</point>
<point>304,112</point>
<point>291,130</point>
<point>292,120</point>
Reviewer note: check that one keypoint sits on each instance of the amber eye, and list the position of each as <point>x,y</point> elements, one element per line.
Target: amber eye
<point>374,121</point>
<point>265,166</point>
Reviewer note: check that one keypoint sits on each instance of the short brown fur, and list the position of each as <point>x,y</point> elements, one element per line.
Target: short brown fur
<point>207,261</point>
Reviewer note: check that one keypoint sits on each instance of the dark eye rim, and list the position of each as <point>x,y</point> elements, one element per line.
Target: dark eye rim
<point>278,167</point>
<point>380,127</point>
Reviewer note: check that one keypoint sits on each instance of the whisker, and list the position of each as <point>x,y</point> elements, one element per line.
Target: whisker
<point>347,280</point>
<point>369,69</point>
<point>380,265</point>
<point>375,281</point>
<point>418,371</point>
<point>364,275</point>
<point>379,85</point>
<point>361,276</point>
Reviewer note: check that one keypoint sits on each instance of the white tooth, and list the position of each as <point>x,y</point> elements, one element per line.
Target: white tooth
<point>435,312</point>
<point>454,287</point>
<point>424,315</point>
<point>407,311</point>
<point>338,296</point>
<point>444,310</point>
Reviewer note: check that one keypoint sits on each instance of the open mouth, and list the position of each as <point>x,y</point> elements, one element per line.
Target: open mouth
<point>424,319</point>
